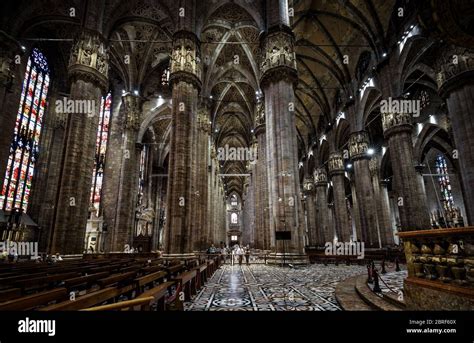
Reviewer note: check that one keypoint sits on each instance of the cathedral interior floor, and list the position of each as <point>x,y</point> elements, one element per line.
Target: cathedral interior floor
<point>260,287</point>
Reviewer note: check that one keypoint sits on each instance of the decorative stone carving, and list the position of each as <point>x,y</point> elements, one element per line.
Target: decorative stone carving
<point>308,185</point>
<point>8,49</point>
<point>358,145</point>
<point>336,163</point>
<point>132,112</point>
<point>144,218</point>
<point>89,59</point>
<point>374,166</point>
<point>391,120</point>
<point>453,62</point>
<point>185,57</point>
<point>279,58</point>
<point>203,120</point>
<point>320,177</point>
<point>259,113</point>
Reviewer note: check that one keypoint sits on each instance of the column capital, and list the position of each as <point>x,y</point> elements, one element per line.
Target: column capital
<point>395,116</point>
<point>308,185</point>
<point>132,111</point>
<point>358,145</point>
<point>279,58</point>
<point>454,67</point>
<point>336,164</point>
<point>186,59</point>
<point>89,60</point>
<point>320,177</point>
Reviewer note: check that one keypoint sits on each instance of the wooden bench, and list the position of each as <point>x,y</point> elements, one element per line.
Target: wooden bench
<point>136,303</point>
<point>34,300</point>
<point>10,294</point>
<point>144,281</point>
<point>187,281</point>
<point>116,279</point>
<point>90,299</point>
<point>158,294</point>
<point>86,281</point>
<point>42,282</point>
<point>174,270</point>
<point>201,275</point>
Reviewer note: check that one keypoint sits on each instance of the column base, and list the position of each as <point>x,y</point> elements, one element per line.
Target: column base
<point>282,259</point>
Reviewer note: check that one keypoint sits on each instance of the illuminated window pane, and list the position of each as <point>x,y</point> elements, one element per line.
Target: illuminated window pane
<point>445,184</point>
<point>101,149</point>
<point>24,146</point>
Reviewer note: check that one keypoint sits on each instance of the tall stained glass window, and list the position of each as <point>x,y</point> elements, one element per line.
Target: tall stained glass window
<point>445,184</point>
<point>24,147</point>
<point>100,150</point>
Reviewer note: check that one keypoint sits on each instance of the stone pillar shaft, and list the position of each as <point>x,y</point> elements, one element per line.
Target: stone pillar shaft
<point>341,219</point>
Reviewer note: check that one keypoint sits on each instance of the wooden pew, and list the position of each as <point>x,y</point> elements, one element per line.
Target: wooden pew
<point>136,303</point>
<point>116,279</point>
<point>83,282</point>
<point>174,270</point>
<point>148,279</point>
<point>10,294</point>
<point>158,295</point>
<point>34,300</point>
<point>201,279</point>
<point>90,299</point>
<point>187,281</point>
<point>42,282</point>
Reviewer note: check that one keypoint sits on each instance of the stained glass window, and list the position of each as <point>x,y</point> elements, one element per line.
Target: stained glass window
<point>445,184</point>
<point>424,98</point>
<point>24,147</point>
<point>101,149</point>
<point>165,77</point>
<point>141,176</point>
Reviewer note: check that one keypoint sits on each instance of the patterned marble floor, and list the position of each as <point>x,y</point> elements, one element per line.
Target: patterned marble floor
<point>267,288</point>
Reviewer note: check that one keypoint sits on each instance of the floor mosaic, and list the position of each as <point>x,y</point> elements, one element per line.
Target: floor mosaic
<point>268,288</point>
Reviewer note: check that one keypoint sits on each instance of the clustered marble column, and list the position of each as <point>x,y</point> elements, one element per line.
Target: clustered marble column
<point>88,71</point>
<point>10,90</point>
<point>323,226</point>
<point>412,209</point>
<point>358,146</point>
<point>456,84</point>
<point>341,217</point>
<point>262,226</point>
<point>185,79</point>
<point>382,202</point>
<point>278,76</point>
<point>123,231</point>
<point>310,205</point>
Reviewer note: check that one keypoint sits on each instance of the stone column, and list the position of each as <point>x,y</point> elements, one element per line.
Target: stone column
<point>358,146</point>
<point>341,217</point>
<point>355,212</point>
<point>310,202</point>
<point>398,132</point>
<point>278,76</point>
<point>123,231</point>
<point>11,81</point>
<point>262,206</point>
<point>185,80</point>
<point>88,71</point>
<point>325,234</point>
<point>456,85</point>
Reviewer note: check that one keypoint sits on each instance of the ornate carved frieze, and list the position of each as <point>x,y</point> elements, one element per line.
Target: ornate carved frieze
<point>89,59</point>
<point>308,185</point>
<point>374,166</point>
<point>185,58</point>
<point>358,145</point>
<point>279,58</point>
<point>393,121</point>
<point>320,177</point>
<point>132,112</point>
<point>336,163</point>
<point>454,63</point>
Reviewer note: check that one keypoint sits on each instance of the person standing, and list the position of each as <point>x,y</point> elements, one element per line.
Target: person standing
<point>247,255</point>
<point>240,254</point>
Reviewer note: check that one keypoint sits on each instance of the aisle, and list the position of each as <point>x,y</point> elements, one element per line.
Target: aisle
<point>267,288</point>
